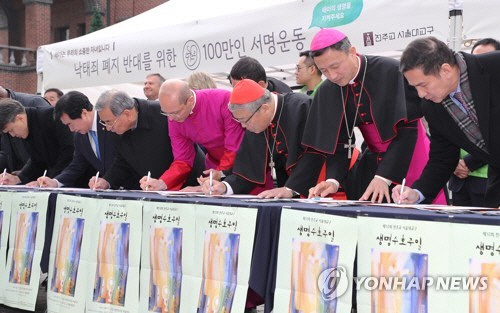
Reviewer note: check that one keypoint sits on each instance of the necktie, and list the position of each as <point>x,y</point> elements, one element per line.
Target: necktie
<point>93,134</point>
<point>460,97</point>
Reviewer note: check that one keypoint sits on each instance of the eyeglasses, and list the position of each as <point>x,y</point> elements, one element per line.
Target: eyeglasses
<point>183,106</point>
<point>176,113</point>
<point>298,68</point>
<point>248,119</point>
<point>110,126</point>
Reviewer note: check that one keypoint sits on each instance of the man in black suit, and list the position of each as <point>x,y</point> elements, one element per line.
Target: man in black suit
<point>250,68</point>
<point>468,182</point>
<point>144,144</point>
<point>13,151</point>
<point>94,146</point>
<point>49,142</point>
<point>462,106</point>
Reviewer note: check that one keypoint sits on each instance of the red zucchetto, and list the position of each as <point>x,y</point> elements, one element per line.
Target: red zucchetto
<point>245,91</point>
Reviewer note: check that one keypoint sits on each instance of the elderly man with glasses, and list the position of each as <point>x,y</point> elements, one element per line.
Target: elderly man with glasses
<point>196,117</point>
<point>143,146</point>
<point>274,125</point>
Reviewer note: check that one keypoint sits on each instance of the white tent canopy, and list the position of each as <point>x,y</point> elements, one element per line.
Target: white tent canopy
<point>182,36</point>
<point>480,20</point>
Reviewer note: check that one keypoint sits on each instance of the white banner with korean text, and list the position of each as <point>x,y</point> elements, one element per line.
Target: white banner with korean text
<point>5,212</point>
<point>115,257</point>
<point>396,261</point>
<point>315,262</point>
<point>69,264</point>
<point>215,34</point>
<point>224,244</point>
<point>21,279</point>
<point>168,258</point>
<point>475,258</point>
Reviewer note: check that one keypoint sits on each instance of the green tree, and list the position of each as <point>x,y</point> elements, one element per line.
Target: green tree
<point>96,22</point>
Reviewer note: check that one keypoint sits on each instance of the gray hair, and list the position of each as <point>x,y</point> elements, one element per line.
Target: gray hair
<point>9,109</point>
<point>251,106</point>
<point>117,101</point>
<point>201,80</point>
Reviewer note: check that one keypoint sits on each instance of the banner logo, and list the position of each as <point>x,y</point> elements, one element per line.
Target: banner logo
<point>333,282</point>
<point>368,39</point>
<point>191,55</point>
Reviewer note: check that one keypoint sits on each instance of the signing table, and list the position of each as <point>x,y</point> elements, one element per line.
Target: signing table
<point>208,250</point>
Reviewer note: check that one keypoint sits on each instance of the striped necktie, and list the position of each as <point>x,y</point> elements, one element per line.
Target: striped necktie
<point>93,134</point>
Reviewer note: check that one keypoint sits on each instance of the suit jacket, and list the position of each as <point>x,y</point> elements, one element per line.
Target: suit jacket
<point>142,149</point>
<point>49,143</point>
<point>275,85</point>
<point>455,184</point>
<point>14,154</point>
<point>447,138</point>
<point>85,163</point>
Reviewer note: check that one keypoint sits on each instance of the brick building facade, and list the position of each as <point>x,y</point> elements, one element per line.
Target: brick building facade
<point>27,24</point>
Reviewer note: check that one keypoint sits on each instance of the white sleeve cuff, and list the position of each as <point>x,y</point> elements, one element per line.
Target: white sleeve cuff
<point>333,181</point>
<point>229,190</point>
<point>59,185</point>
<point>387,181</point>
<point>420,196</point>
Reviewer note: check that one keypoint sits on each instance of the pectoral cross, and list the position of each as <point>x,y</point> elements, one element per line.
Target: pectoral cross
<point>271,163</point>
<point>273,171</point>
<point>349,146</point>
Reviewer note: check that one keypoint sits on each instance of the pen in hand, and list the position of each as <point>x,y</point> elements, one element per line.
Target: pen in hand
<point>3,175</point>
<point>96,178</point>
<point>211,181</point>
<point>147,180</point>
<point>44,174</point>
<point>402,189</point>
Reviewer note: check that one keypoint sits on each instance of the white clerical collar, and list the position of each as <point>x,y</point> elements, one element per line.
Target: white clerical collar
<point>359,68</point>
<point>275,98</point>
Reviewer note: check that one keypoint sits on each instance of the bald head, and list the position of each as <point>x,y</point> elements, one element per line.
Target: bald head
<point>3,93</point>
<point>175,88</point>
<point>176,99</point>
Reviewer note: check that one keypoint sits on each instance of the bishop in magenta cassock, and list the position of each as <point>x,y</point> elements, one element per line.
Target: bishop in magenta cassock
<point>196,117</point>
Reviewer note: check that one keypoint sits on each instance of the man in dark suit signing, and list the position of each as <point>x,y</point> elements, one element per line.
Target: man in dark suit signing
<point>13,151</point>
<point>94,146</point>
<point>143,146</point>
<point>49,142</point>
<point>462,106</point>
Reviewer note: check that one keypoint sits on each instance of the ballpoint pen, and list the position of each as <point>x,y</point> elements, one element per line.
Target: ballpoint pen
<point>3,175</point>
<point>147,180</point>
<point>44,174</point>
<point>96,178</point>
<point>402,189</point>
<point>211,182</point>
